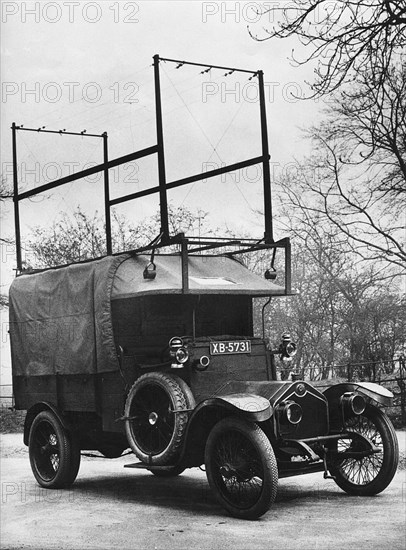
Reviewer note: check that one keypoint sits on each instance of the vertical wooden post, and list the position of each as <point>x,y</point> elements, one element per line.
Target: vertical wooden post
<point>288,267</point>
<point>163,203</point>
<point>265,163</point>
<point>185,264</point>
<point>15,199</point>
<point>107,195</point>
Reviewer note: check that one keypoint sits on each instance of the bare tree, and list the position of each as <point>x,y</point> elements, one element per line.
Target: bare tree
<point>369,121</point>
<point>6,194</point>
<point>82,237</point>
<point>345,311</point>
<point>5,190</point>
<point>340,36</point>
<point>355,180</point>
<point>324,191</point>
<point>70,239</point>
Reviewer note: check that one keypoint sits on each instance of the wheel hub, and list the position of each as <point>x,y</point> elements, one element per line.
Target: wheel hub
<point>227,471</point>
<point>153,418</point>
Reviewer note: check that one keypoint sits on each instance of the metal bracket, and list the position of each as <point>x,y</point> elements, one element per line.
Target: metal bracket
<point>302,446</point>
<point>123,418</point>
<point>326,473</point>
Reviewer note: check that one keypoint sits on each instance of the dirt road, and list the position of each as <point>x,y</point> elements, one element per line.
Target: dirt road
<point>114,507</point>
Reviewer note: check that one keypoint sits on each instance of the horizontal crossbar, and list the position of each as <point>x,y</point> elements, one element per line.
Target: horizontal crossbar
<point>190,179</point>
<point>60,132</point>
<point>207,65</point>
<point>89,172</point>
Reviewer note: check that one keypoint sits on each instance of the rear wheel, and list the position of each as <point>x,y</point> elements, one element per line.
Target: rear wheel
<point>370,474</point>
<point>54,452</point>
<point>241,468</point>
<point>155,423</point>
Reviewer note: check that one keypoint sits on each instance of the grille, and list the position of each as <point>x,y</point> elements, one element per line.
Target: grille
<point>315,412</point>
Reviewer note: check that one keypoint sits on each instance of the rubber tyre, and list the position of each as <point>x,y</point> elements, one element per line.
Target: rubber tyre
<point>187,392</point>
<point>154,432</point>
<point>190,404</point>
<point>54,452</point>
<point>241,468</point>
<point>372,474</point>
<point>74,460</point>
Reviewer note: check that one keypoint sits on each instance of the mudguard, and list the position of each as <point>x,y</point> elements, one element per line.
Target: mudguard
<point>250,406</point>
<point>370,390</point>
<point>37,408</point>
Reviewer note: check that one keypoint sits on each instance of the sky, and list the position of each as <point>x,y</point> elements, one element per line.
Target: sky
<point>88,66</point>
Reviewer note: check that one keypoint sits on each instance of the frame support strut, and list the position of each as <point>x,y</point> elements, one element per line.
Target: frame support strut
<point>107,196</point>
<point>265,163</point>
<point>16,199</point>
<point>163,202</point>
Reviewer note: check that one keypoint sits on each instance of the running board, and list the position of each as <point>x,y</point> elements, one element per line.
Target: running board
<point>143,466</point>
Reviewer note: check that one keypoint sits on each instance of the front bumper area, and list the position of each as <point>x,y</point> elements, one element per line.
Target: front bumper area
<point>300,456</point>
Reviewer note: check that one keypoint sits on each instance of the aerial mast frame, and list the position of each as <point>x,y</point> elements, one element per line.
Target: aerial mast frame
<point>165,239</point>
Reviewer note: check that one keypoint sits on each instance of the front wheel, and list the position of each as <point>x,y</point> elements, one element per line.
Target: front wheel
<point>241,468</point>
<point>54,452</point>
<point>371,473</point>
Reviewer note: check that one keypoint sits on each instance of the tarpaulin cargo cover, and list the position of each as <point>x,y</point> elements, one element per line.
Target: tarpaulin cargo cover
<point>60,319</point>
<point>207,275</point>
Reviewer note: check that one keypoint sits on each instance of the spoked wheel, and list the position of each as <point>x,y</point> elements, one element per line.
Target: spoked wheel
<point>241,468</point>
<point>155,422</point>
<point>369,474</point>
<point>54,453</point>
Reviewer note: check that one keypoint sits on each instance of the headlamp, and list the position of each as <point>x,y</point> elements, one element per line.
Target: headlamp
<point>287,349</point>
<point>352,403</point>
<point>290,412</point>
<point>181,355</point>
<point>178,352</point>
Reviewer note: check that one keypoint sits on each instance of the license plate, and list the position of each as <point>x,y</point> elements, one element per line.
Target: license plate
<point>227,348</point>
